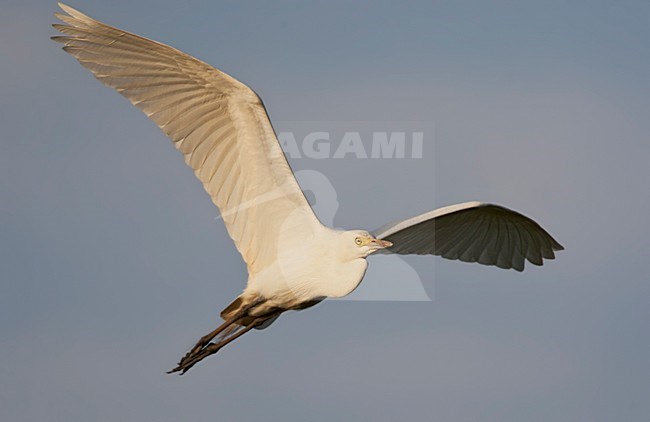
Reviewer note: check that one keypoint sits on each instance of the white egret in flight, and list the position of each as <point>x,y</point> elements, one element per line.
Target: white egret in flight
<point>294,262</point>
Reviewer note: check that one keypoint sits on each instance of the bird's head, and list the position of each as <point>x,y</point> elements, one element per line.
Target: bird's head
<point>360,243</point>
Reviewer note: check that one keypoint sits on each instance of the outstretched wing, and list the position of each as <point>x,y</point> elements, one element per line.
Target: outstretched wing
<point>473,232</point>
<point>219,124</point>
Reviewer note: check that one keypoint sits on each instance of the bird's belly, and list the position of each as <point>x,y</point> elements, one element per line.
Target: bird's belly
<point>291,283</point>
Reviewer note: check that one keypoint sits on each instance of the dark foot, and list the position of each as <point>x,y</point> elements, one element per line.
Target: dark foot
<point>191,359</point>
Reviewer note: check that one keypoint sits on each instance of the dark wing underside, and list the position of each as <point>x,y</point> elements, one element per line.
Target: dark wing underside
<point>473,232</point>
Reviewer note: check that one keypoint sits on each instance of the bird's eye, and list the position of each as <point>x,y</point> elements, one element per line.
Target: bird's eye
<point>358,241</point>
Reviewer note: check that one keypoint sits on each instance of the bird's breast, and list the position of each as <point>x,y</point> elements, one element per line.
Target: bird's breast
<point>342,279</point>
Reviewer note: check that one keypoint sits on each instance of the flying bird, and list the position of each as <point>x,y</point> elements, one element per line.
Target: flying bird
<point>223,130</point>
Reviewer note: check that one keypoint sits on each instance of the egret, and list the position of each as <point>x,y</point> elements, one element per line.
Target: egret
<point>223,131</point>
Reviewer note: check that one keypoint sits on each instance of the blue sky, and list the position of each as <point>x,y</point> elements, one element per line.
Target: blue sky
<point>112,262</point>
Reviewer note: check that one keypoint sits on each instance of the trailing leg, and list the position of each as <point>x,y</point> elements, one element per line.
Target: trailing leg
<point>212,348</point>
<point>240,314</point>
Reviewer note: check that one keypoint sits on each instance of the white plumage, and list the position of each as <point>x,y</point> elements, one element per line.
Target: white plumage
<point>222,128</point>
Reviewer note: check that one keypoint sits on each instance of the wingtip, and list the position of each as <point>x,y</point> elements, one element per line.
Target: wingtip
<point>72,11</point>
